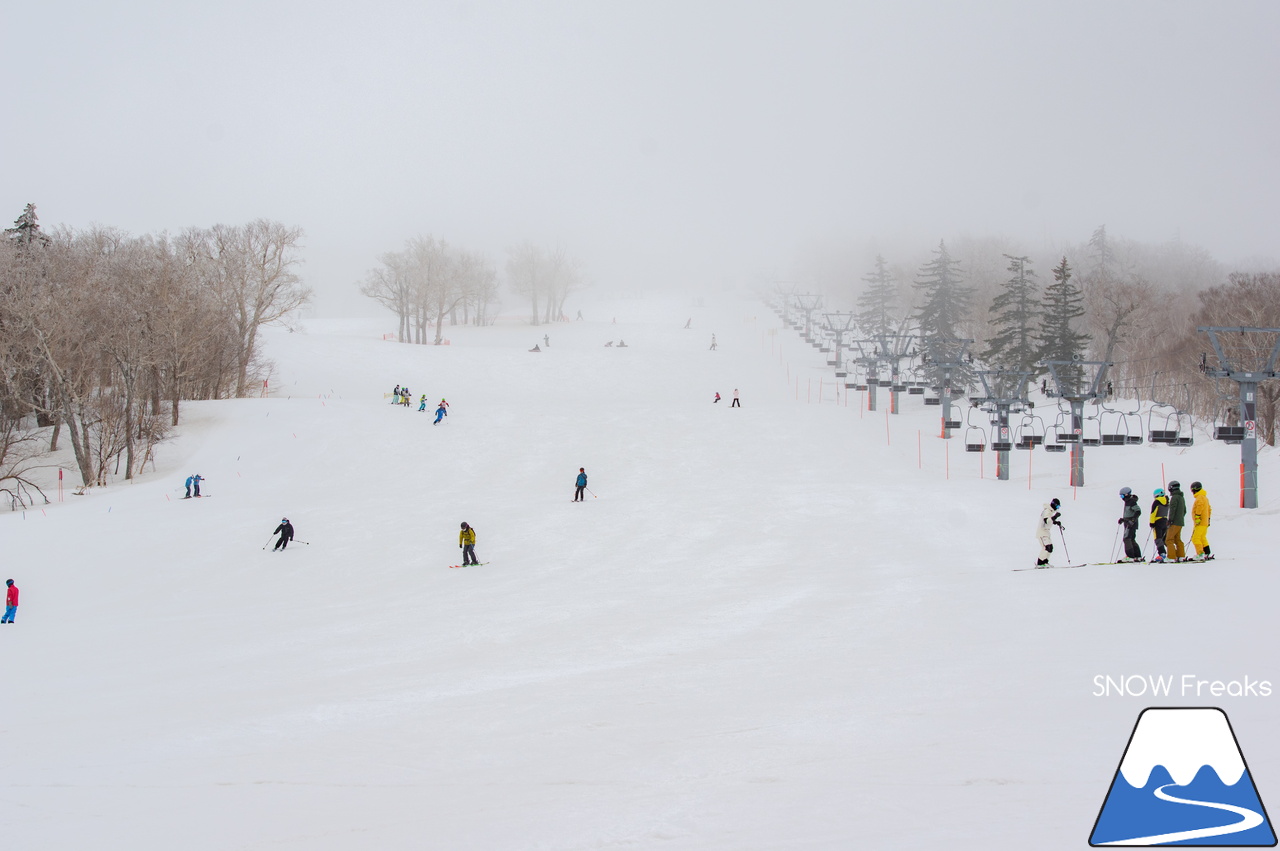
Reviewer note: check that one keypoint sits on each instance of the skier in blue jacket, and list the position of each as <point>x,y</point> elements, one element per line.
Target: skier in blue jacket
<point>581,485</point>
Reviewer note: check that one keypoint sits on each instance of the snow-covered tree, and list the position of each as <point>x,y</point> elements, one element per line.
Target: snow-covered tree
<point>878,302</point>
<point>26,231</point>
<point>944,297</point>
<point>1061,311</point>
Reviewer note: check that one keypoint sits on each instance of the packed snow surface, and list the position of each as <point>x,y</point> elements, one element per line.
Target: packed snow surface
<point>790,625</point>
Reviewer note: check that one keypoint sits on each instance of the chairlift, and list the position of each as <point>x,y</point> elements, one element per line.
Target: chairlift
<point>1096,422</point>
<point>1030,432</point>
<point>975,437</point>
<point>1062,432</point>
<point>1121,431</point>
<point>1171,426</point>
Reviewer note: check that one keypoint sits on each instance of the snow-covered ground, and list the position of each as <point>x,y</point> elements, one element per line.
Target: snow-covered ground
<point>793,625</point>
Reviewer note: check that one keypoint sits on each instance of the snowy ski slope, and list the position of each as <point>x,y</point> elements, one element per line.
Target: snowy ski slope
<point>776,627</point>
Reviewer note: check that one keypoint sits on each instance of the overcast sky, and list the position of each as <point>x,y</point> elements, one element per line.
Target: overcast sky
<point>661,142</point>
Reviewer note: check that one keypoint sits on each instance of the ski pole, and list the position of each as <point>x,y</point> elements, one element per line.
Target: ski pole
<point>590,491</point>
<point>269,540</point>
<point>1065,551</point>
<point>1147,546</point>
<point>305,543</point>
<point>1116,541</point>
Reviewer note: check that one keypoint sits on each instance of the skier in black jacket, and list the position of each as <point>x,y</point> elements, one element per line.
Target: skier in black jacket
<point>285,531</point>
<point>1132,513</point>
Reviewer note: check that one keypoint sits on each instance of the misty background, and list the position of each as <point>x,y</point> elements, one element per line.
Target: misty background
<point>661,144</point>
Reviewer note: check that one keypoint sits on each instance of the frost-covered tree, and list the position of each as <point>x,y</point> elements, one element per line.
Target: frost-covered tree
<point>878,302</point>
<point>1015,315</point>
<point>26,232</point>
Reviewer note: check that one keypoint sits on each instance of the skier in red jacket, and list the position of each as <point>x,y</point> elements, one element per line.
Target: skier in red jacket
<point>10,602</point>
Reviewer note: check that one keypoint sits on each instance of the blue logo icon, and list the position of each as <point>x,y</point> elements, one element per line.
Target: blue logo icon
<point>1183,781</point>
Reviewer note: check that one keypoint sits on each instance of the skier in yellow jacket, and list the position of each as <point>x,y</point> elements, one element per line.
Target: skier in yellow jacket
<point>467,541</point>
<point>1201,511</point>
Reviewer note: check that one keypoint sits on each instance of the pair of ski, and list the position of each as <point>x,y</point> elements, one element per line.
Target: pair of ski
<point>1104,564</point>
<point>478,564</point>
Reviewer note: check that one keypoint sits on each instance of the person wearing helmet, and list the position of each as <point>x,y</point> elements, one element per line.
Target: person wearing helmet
<point>10,601</point>
<point>1177,519</point>
<point>1132,552</point>
<point>580,485</point>
<point>467,541</point>
<point>1159,522</point>
<point>1200,513</point>
<point>285,531</point>
<point>1048,519</point>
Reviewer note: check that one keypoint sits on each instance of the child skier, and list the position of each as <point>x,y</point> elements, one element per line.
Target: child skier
<point>1159,523</point>
<point>1048,519</point>
<point>1201,511</point>
<point>10,601</point>
<point>1132,552</point>
<point>1177,519</point>
<point>467,542</point>
<point>422,403</point>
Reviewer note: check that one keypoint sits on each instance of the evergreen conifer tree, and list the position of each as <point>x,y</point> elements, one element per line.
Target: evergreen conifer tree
<point>1062,308</point>
<point>1017,312</point>
<point>945,303</point>
<point>26,229</point>
<point>877,302</point>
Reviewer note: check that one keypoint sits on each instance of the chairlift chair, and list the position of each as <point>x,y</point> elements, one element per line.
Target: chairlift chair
<point>1030,433</point>
<point>975,437</point>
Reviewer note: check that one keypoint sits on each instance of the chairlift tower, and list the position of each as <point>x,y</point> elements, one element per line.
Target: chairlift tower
<point>1248,379</point>
<point>1004,392</point>
<point>947,355</point>
<point>884,350</point>
<point>808,303</point>
<point>1077,381</point>
<point>839,324</point>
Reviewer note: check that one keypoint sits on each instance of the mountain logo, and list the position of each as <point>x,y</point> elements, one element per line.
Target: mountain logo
<point>1183,781</point>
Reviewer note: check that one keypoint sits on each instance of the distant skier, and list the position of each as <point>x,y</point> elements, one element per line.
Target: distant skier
<point>689,324</point>
<point>467,542</point>
<point>546,340</point>
<point>10,601</point>
<point>1201,511</point>
<point>1132,513</point>
<point>445,405</point>
<point>581,485</point>
<point>622,344</point>
<point>1159,523</point>
<point>422,403</point>
<point>713,342</point>
<point>285,531</point>
<point>440,414</point>
<point>736,403</point>
<point>396,395</point>
<point>536,348</point>
<point>717,399</point>
<point>1049,518</point>
<point>609,344</point>
<point>193,481</point>
<point>579,315</point>
<point>1177,519</point>
<point>406,398</point>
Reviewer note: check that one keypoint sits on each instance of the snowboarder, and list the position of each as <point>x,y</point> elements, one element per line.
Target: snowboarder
<point>609,344</point>
<point>1159,523</point>
<point>717,399</point>
<point>285,531</point>
<point>1200,514</point>
<point>10,601</point>
<point>1132,552</point>
<point>581,485</point>
<point>193,481</point>
<point>736,403</point>
<point>579,315</point>
<point>440,414</point>
<point>422,403</point>
<point>467,542</point>
<point>622,344</point>
<point>536,348</point>
<point>713,342</point>
<point>1049,518</point>
<point>1175,551</point>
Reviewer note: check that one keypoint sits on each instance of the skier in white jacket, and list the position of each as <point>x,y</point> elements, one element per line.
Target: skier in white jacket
<point>1048,519</point>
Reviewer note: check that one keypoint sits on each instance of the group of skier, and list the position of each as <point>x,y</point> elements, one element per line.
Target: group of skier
<point>1166,518</point>
<point>402,396</point>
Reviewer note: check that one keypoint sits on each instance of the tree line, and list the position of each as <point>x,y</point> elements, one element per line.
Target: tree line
<point>103,334</point>
<point>430,281</point>
<point>1131,304</point>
